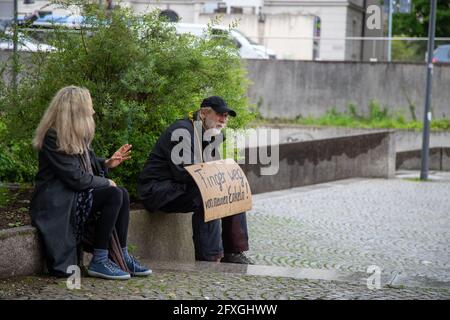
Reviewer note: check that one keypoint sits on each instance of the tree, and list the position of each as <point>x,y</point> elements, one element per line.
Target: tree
<point>142,76</point>
<point>415,24</point>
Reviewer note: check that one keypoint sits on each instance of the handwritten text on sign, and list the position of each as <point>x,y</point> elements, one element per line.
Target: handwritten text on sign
<point>223,186</point>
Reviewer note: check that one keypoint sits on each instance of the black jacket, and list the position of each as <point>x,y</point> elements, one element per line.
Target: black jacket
<point>162,181</point>
<point>59,177</point>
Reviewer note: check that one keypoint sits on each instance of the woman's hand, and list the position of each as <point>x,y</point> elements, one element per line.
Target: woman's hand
<point>112,183</point>
<point>119,156</point>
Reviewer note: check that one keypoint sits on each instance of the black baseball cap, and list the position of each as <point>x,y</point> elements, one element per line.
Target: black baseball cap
<point>218,105</point>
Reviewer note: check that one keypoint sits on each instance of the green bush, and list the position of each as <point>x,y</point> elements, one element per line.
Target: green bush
<point>142,76</point>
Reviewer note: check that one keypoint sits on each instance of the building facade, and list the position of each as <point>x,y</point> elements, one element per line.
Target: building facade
<point>294,29</point>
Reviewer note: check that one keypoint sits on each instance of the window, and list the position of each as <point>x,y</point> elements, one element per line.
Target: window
<point>237,10</point>
<point>221,8</point>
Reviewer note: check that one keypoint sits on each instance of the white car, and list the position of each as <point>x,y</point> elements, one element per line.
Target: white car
<point>24,44</point>
<point>248,49</point>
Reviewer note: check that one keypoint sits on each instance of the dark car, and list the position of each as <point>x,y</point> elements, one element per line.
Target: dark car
<point>442,54</point>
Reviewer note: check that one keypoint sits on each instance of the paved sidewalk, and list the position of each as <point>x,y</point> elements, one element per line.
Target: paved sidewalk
<point>165,284</point>
<point>400,225</point>
<point>313,242</point>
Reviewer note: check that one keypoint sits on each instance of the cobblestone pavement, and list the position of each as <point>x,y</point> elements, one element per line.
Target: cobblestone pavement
<point>210,285</point>
<point>400,225</point>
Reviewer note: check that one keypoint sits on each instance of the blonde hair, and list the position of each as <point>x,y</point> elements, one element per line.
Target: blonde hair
<point>70,114</point>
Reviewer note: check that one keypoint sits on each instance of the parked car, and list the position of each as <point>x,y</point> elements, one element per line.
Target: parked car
<point>248,49</point>
<point>442,54</point>
<point>67,21</point>
<point>24,43</point>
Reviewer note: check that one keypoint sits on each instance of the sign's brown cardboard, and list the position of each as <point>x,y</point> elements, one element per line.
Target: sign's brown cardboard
<point>224,188</point>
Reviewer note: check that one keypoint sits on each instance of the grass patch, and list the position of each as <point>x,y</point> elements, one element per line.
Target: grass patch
<point>417,180</point>
<point>398,287</point>
<point>376,117</point>
<point>5,196</point>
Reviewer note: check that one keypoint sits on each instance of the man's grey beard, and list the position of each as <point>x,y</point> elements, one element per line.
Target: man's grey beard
<point>211,128</point>
<point>211,133</point>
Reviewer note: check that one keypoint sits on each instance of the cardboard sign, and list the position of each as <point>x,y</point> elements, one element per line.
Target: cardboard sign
<point>224,188</point>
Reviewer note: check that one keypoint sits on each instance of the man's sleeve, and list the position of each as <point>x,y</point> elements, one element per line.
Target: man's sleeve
<point>179,172</point>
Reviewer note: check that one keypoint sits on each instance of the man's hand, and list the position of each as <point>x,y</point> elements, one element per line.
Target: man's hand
<point>119,156</point>
<point>112,183</point>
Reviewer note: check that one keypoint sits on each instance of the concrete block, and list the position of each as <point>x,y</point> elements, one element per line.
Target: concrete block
<point>156,236</point>
<point>161,236</point>
<point>20,252</point>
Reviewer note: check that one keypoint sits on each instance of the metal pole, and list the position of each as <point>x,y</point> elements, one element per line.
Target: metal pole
<point>427,113</point>
<point>15,40</point>
<point>390,29</point>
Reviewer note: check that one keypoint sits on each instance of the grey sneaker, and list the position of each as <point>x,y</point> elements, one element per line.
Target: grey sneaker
<point>236,258</point>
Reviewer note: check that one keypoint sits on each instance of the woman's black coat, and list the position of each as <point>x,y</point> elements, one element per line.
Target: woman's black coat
<point>58,180</point>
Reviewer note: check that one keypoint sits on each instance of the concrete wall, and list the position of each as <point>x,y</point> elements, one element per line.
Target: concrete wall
<point>439,159</point>
<point>312,162</point>
<point>288,89</point>
<point>412,140</point>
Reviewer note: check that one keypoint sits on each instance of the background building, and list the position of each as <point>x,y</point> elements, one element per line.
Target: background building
<point>294,29</point>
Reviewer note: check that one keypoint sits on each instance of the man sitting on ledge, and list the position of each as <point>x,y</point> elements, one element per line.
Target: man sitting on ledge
<point>166,185</point>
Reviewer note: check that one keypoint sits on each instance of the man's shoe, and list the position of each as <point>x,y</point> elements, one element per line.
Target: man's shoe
<point>136,269</point>
<point>237,258</point>
<point>107,270</point>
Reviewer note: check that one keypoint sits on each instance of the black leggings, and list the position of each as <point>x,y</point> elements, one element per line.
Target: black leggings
<point>114,205</point>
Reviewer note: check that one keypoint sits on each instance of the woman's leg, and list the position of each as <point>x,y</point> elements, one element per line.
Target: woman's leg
<point>109,202</point>
<point>123,218</point>
<point>136,269</point>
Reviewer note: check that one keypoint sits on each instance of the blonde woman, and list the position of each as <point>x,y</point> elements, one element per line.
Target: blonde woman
<point>71,189</point>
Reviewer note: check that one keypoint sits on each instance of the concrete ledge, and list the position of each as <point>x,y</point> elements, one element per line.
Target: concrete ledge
<point>156,237</point>
<point>405,139</point>
<point>162,236</point>
<point>303,163</point>
<point>20,252</point>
